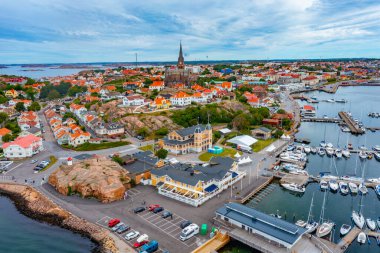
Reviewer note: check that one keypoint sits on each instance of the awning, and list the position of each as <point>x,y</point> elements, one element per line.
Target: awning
<point>211,188</point>
<point>234,174</point>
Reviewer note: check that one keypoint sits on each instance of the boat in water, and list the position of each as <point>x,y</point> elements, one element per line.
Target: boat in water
<point>321,152</point>
<point>329,151</point>
<point>377,156</point>
<point>301,223</point>
<point>343,187</point>
<point>341,100</point>
<point>322,144</point>
<point>358,219</point>
<point>313,150</point>
<point>378,222</point>
<point>323,185</point>
<point>363,189</point>
<point>334,186</point>
<point>338,153</point>
<point>377,190</point>
<point>362,238</point>
<point>346,153</point>
<point>307,149</point>
<point>326,226</point>
<point>344,229</point>
<point>311,225</point>
<point>363,155</point>
<point>371,224</point>
<point>376,148</point>
<point>353,188</point>
<point>294,187</point>
<point>329,145</point>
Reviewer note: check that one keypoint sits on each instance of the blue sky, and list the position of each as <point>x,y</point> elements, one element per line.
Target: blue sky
<point>46,31</point>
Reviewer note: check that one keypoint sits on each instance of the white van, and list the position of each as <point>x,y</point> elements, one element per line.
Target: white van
<point>189,231</point>
<point>245,149</point>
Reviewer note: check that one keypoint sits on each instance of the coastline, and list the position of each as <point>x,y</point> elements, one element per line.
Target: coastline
<point>34,205</point>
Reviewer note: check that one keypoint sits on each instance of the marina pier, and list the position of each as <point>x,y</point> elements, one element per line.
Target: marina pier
<point>354,128</point>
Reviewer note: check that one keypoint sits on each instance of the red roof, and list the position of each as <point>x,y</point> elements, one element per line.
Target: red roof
<point>24,142</point>
<point>308,107</point>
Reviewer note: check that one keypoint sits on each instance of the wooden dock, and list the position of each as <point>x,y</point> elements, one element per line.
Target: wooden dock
<point>354,128</point>
<point>255,191</point>
<point>323,120</point>
<point>348,239</point>
<point>291,178</point>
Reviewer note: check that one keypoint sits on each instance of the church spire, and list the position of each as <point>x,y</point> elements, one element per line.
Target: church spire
<point>181,60</point>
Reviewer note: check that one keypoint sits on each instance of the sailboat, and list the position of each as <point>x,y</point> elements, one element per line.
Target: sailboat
<point>311,225</point>
<point>357,217</point>
<point>325,227</point>
<point>323,143</point>
<point>362,187</point>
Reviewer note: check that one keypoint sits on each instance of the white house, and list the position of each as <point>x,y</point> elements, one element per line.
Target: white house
<point>134,100</point>
<point>23,147</point>
<point>181,99</point>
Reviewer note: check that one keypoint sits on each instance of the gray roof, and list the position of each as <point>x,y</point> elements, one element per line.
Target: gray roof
<point>191,175</point>
<point>264,129</point>
<point>177,142</point>
<point>190,130</point>
<point>282,230</point>
<point>142,161</point>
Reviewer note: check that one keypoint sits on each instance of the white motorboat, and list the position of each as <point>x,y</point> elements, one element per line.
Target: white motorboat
<point>301,223</point>
<point>377,156</point>
<point>362,147</point>
<point>298,172</point>
<point>345,129</point>
<point>362,238</point>
<point>311,227</point>
<point>329,145</point>
<point>322,144</point>
<point>344,229</point>
<point>353,188</point>
<point>313,150</point>
<point>346,153</point>
<point>294,187</point>
<point>329,151</point>
<point>377,190</point>
<point>371,224</point>
<point>376,148</point>
<point>325,229</point>
<point>358,219</point>
<point>338,153</point>
<point>378,222</point>
<point>330,100</point>
<point>363,155</point>
<point>307,149</point>
<point>323,185</point>
<point>321,152</point>
<point>363,189</point>
<point>333,185</point>
<point>343,187</point>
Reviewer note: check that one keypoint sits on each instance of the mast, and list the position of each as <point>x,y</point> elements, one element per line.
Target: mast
<point>310,210</point>
<point>323,209</point>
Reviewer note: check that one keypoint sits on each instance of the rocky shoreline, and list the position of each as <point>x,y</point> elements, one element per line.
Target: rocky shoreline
<point>36,206</point>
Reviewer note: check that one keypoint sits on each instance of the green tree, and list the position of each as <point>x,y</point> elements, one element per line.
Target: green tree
<point>35,106</point>
<point>3,100</point>
<point>7,138</point>
<point>3,117</point>
<point>117,159</point>
<point>20,107</point>
<point>142,131</point>
<point>53,94</point>
<point>281,111</point>
<point>278,133</point>
<point>162,131</point>
<point>76,89</point>
<point>162,153</point>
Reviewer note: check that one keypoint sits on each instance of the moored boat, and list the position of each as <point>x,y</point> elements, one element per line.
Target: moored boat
<point>343,188</point>
<point>346,153</point>
<point>294,187</point>
<point>377,156</point>
<point>363,189</point>
<point>325,229</point>
<point>321,152</point>
<point>333,185</point>
<point>338,153</point>
<point>353,188</point>
<point>323,185</point>
<point>329,151</point>
<point>358,219</point>
<point>377,190</point>
<point>376,148</point>
<point>313,150</point>
<point>363,155</point>
<point>344,229</point>
<point>371,224</point>
<point>301,223</point>
<point>362,237</point>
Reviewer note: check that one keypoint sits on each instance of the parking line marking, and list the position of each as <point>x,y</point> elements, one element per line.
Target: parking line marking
<point>18,165</point>
<point>171,225</point>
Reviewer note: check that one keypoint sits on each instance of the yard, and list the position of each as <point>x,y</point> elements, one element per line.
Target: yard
<point>147,147</point>
<point>261,144</point>
<point>97,146</point>
<point>226,152</point>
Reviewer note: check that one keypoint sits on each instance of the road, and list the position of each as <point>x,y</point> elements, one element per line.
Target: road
<point>166,232</point>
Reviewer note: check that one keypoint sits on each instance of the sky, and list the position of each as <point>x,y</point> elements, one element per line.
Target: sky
<point>68,31</point>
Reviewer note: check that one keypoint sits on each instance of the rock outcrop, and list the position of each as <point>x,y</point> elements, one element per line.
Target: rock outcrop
<point>100,178</point>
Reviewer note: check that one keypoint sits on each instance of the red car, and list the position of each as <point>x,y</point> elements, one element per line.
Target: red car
<point>152,207</point>
<point>113,222</point>
<point>139,244</point>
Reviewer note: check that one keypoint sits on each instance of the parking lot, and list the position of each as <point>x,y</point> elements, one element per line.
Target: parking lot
<point>169,226</point>
<point>104,223</point>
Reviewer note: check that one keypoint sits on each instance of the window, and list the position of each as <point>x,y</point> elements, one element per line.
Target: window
<point>226,219</point>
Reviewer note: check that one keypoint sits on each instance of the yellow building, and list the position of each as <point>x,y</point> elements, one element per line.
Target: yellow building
<point>160,103</point>
<point>197,138</point>
<point>196,184</point>
<point>11,93</point>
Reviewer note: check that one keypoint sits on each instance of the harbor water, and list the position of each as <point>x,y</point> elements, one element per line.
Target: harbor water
<point>20,234</point>
<point>292,207</point>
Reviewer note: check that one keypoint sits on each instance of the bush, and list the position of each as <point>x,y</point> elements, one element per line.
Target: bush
<point>162,153</point>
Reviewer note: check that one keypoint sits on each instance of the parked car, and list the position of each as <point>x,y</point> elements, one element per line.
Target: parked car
<point>33,161</point>
<point>184,224</point>
<point>158,209</point>
<point>139,137</point>
<point>113,222</point>
<point>149,247</point>
<point>153,206</point>
<point>139,209</point>
<point>131,235</point>
<point>143,237</point>
<point>117,226</point>
<point>139,244</point>
<point>167,214</point>
<point>123,228</point>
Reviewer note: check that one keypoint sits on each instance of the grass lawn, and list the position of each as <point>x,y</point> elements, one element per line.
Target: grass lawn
<point>226,152</point>
<point>53,160</point>
<point>147,147</point>
<point>261,144</point>
<point>94,146</point>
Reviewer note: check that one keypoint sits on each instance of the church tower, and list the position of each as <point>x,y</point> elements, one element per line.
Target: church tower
<point>181,60</point>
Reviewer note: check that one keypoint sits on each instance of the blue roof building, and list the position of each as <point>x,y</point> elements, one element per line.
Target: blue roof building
<point>256,222</point>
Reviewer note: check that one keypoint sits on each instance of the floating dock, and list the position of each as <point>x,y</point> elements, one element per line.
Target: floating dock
<point>323,120</point>
<point>354,128</point>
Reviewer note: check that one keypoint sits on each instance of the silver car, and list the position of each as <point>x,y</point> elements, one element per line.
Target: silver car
<point>131,235</point>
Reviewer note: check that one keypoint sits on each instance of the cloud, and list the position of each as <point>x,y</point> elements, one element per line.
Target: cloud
<point>113,30</point>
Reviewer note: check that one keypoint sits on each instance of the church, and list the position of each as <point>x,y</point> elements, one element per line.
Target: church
<point>179,74</point>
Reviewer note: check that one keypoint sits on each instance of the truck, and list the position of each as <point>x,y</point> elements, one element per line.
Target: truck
<point>149,247</point>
